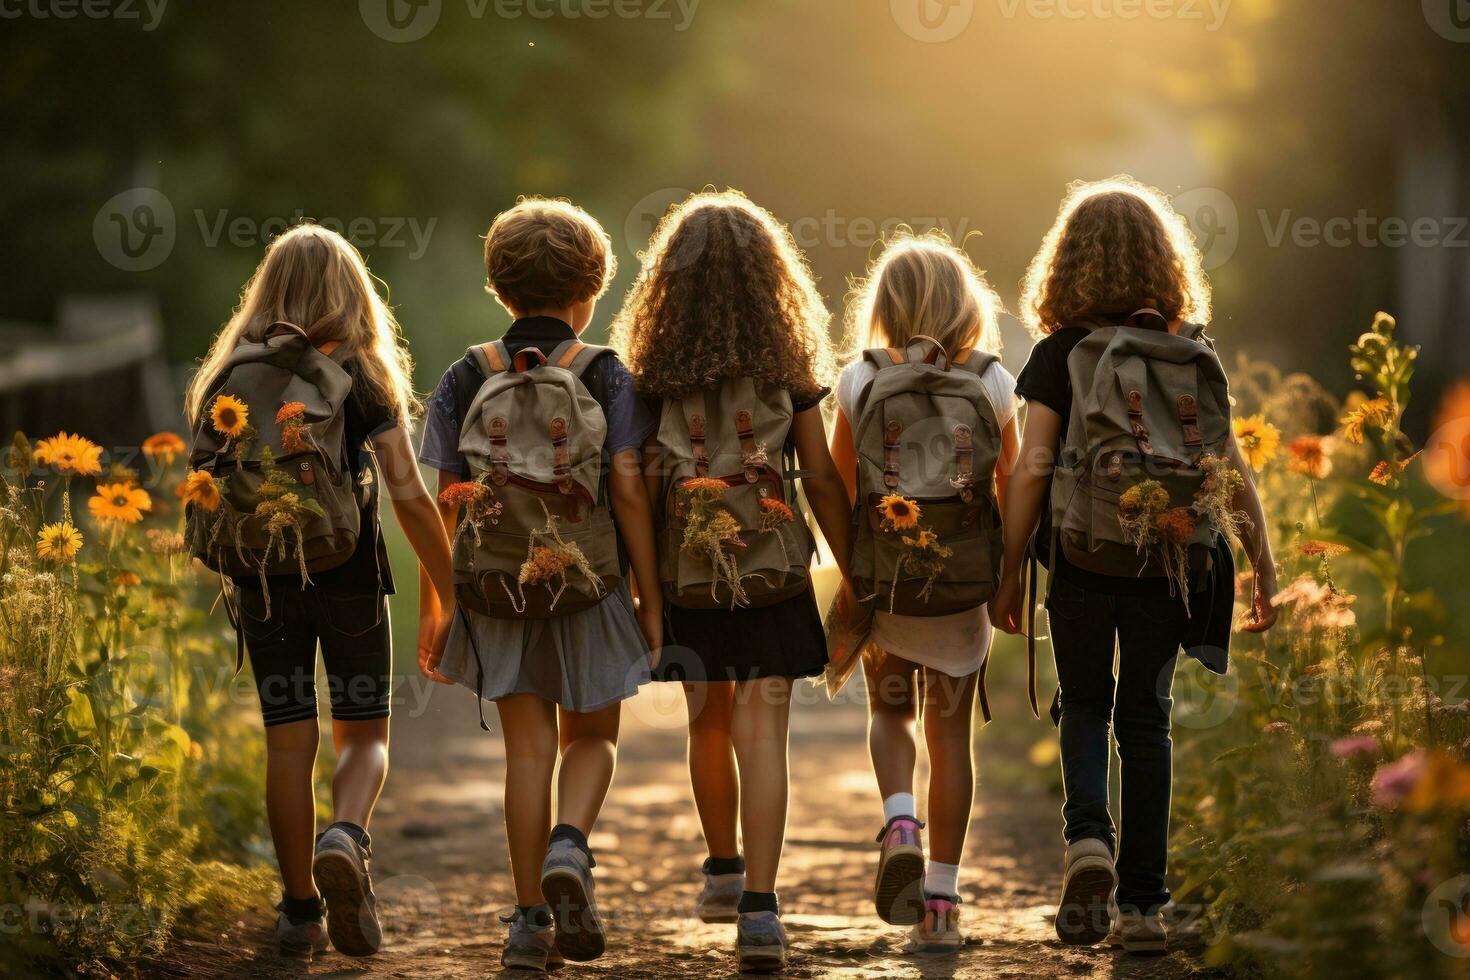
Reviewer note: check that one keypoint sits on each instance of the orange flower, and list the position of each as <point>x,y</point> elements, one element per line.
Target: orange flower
<point>1176,526</point>
<point>163,445</point>
<point>461,493</point>
<point>70,454</point>
<point>776,508</point>
<point>119,503</point>
<point>200,489</point>
<point>126,580</point>
<point>544,565</point>
<point>1322,549</point>
<point>229,416</point>
<point>899,512</point>
<point>1310,456</point>
<point>708,483</point>
<point>290,411</point>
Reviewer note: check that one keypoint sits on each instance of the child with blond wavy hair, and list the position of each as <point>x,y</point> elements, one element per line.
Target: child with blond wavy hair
<point>1119,255</point>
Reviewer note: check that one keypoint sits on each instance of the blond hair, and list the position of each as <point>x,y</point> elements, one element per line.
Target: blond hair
<point>1116,246</point>
<point>724,292</point>
<point>316,279</point>
<point>546,254</point>
<point>922,285</point>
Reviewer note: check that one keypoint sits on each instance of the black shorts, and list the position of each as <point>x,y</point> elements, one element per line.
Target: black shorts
<point>356,645</point>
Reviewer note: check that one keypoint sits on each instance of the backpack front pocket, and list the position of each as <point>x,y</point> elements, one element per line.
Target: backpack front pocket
<point>931,556</point>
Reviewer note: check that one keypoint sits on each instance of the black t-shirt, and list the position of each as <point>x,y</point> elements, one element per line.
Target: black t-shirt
<point>367,571</point>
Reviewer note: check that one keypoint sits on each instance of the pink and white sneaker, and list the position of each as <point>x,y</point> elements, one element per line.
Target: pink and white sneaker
<point>939,930</point>
<point>898,892</point>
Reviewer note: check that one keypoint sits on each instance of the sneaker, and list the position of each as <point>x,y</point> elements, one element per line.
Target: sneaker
<point>719,901</point>
<point>898,891</point>
<point>530,945</point>
<point>1083,916</point>
<point>760,942</point>
<point>566,881</point>
<point>301,940</point>
<point>939,930</point>
<point>1143,935</point>
<point>341,874</point>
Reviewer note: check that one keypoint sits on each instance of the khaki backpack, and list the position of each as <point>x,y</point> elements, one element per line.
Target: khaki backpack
<point>928,525</point>
<point>537,538</point>
<point>271,439</point>
<point>731,534</point>
<point>1144,455</point>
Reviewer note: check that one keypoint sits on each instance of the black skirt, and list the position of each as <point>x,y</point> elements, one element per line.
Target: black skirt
<point>784,639</point>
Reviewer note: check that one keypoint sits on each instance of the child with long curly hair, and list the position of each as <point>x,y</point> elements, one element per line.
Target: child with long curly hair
<point>724,294</point>
<point>1119,255</point>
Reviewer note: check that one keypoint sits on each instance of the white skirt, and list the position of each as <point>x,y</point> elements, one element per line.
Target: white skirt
<point>955,644</point>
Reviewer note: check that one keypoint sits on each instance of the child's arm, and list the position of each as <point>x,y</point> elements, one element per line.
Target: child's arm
<point>418,515</point>
<point>1257,546</point>
<point>844,455</point>
<point>431,616</point>
<point>825,490</point>
<point>1025,494</point>
<point>633,512</point>
<point>1010,448</point>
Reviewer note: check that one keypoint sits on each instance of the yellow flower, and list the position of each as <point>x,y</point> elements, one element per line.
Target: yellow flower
<point>229,416</point>
<point>899,512</point>
<point>163,445</point>
<point>58,542</point>
<point>1258,440</point>
<point>199,489</point>
<point>119,503</point>
<point>1374,411</point>
<point>70,454</point>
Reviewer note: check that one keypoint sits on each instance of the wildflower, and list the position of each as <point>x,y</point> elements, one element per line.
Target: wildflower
<point>127,580</point>
<point>1148,497</point>
<point>924,539</point>
<point>70,454</point>
<point>165,542</point>
<point>200,489</point>
<point>1421,781</point>
<point>292,419</point>
<point>543,565</point>
<point>119,503</point>
<point>1310,456</point>
<point>1393,781</point>
<point>1322,549</point>
<point>289,412</point>
<point>704,484</point>
<point>1317,606</point>
<point>229,416</point>
<point>1258,440</point>
<point>164,446</point>
<point>1373,412</point>
<point>1176,526</point>
<point>58,542</point>
<point>899,512</point>
<point>1352,746</point>
<point>1278,728</point>
<point>463,492</point>
<point>776,508</point>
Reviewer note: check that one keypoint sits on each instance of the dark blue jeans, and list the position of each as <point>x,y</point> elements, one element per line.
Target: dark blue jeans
<point>1146,632</point>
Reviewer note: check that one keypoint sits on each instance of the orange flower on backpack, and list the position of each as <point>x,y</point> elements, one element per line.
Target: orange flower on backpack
<point>461,493</point>
<point>119,503</point>
<point>229,416</point>
<point>199,489</point>
<point>775,511</point>
<point>899,512</point>
<point>70,454</point>
<point>165,446</point>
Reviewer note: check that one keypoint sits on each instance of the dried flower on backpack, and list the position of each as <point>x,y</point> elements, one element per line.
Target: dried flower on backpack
<point>774,513</point>
<point>711,532</point>
<point>1258,440</point>
<point>163,446</point>
<point>229,416</point>
<point>899,512</point>
<point>71,455</point>
<point>200,489</point>
<point>119,503</point>
<point>1214,501</point>
<point>549,560</point>
<point>463,493</point>
<point>292,419</point>
<point>58,542</point>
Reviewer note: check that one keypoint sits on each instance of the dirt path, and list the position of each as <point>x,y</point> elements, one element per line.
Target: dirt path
<point>442,875</point>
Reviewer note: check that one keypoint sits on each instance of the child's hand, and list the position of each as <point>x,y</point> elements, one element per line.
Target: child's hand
<point>1005,605</point>
<point>433,636</point>
<point>1262,614</point>
<point>651,622</point>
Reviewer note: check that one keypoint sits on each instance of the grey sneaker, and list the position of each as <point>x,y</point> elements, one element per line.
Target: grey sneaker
<point>719,901</point>
<point>1144,935</point>
<point>531,942</point>
<point>299,941</point>
<point>341,874</point>
<point>760,942</point>
<point>566,881</point>
<point>898,891</point>
<point>939,931</point>
<point>1083,915</point>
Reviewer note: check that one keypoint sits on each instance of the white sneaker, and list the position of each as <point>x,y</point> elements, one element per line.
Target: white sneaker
<point>1143,935</point>
<point>1083,916</point>
<point>760,942</point>
<point>719,901</point>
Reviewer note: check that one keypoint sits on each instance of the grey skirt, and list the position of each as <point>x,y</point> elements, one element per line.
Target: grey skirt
<point>582,662</point>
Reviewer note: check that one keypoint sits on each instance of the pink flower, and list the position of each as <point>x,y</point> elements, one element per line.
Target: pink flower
<point>1354,745</point>
<point>1393,781</point>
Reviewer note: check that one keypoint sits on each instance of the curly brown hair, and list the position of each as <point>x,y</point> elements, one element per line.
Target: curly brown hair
<point>546,254</point>
<point>724,293</point>
<point>1117,246</point>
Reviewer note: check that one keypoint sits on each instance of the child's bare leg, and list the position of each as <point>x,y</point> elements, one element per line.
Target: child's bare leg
<point>712,771</point>
<point>529,726</point>
<point>949,713</point>
<point>589,754</point>
<point>362,766</point>
<point>290,801</point>
<point>759,726</point>
<point>891,741</point>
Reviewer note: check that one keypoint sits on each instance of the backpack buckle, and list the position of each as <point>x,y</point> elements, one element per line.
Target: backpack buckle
<point>1136,423</point>
<point>964,462</point>
<point>696,442</point>
<point>891,435</point>
<point>562,461</point>
<point>1189,421</point>
<point>499,455</point>
<point>750,453</point>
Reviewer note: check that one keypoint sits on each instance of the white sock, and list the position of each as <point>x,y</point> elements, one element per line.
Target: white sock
<point>942,879</point>
<point>899,805</point>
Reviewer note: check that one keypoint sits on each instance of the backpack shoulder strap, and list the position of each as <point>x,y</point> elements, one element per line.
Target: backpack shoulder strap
<point>976,361</point>
<point>577,357</point>
<point>492,358</point>
<point>882,357</point>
